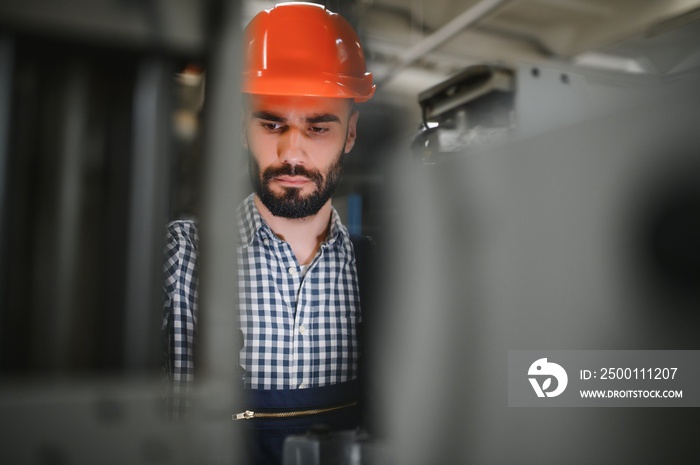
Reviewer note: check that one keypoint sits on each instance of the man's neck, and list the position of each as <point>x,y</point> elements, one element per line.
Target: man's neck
<point>304,235</point>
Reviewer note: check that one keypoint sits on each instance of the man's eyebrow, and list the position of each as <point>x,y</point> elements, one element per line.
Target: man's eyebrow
<point>323,118</point>
<point>266,115</point>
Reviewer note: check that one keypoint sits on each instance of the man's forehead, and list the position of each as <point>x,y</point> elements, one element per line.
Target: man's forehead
<point>306,105</point>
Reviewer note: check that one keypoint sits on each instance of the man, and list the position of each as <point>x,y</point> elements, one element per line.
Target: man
<point>299,303</point>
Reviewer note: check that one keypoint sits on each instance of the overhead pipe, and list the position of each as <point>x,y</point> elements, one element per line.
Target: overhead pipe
<point>437,38</point>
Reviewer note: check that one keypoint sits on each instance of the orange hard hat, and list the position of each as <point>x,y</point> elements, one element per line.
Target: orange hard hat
<point>304,49</point>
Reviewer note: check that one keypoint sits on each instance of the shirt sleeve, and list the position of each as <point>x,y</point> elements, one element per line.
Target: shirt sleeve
<point>180,313</point>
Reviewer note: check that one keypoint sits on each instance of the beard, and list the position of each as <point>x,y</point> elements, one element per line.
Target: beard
<point>291,203</point>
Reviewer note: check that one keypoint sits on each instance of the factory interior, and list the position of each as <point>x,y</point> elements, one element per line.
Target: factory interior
<point>529,171</point>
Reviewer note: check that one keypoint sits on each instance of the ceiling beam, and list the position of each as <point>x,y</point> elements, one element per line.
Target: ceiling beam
<point>469,17</point>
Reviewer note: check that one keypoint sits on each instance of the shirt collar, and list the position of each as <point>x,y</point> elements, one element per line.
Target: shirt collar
<point>249,221</point>
<point>251,224</point>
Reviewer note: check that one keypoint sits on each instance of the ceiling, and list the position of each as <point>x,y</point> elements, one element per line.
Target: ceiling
<point>411,45</point>
<point>414,44</point>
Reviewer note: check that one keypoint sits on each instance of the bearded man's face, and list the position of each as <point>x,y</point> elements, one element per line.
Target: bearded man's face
<point>297,146</point>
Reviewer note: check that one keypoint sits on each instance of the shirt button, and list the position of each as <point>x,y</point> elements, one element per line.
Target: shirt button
<point>292,270</point>
<point>302,329</point>
<point>266,241</point>
<point>302,386</point>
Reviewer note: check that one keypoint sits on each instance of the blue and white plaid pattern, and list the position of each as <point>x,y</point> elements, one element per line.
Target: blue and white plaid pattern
<point>299,328</point>
<point>180,311</point>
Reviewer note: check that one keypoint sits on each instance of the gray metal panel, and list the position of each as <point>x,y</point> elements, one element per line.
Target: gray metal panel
<point>540,245</point>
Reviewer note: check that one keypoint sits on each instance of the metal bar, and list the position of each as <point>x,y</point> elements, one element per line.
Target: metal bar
<point>221,187</point>
<point>582,7</point>
<point>216,390</point>
<point>6,71</point>
<point>147,213</point>
<point>70,191</point>
<point>176,26</point>
<point>437,38</point>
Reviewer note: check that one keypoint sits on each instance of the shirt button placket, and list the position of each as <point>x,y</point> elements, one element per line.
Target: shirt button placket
<point>294,369</point>
<point>300,329</point>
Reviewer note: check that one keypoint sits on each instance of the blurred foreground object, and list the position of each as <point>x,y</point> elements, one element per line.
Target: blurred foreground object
<point>87,128</point>
<point>578,231</point>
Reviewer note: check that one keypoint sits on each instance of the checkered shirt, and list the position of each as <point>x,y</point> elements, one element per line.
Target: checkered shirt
<point>299,329</point>
<point>180,312</point>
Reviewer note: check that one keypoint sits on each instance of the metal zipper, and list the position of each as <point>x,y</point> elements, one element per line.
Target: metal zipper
<point>249,414</point>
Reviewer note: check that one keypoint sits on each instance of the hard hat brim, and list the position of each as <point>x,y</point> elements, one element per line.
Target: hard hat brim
<point>330,85</point>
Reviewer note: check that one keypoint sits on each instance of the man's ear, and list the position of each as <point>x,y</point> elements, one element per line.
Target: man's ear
<point>352,131</point>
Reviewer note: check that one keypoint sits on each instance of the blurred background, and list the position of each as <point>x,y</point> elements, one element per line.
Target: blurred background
<point>530,170</point>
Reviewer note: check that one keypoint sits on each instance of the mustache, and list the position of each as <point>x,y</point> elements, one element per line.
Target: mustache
<point>289,170</point>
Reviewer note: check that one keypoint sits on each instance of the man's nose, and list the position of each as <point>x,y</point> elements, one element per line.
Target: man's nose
<point>291,147</point>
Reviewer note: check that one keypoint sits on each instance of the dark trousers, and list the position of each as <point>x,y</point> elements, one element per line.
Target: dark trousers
<point>264,438</point>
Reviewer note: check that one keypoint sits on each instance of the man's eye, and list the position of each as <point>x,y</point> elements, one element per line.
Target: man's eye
<point>271,126</point>
<point>318,129</point>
